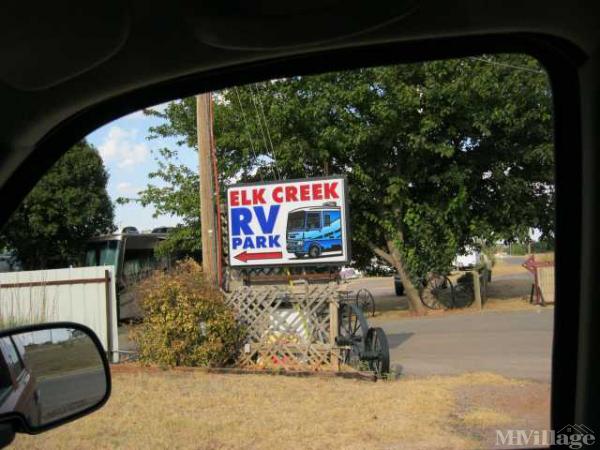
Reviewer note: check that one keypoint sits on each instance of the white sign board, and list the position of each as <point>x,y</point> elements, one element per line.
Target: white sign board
<point>288,223</point>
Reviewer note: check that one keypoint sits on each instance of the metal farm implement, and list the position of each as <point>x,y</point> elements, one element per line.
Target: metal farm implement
<point>361,347</point>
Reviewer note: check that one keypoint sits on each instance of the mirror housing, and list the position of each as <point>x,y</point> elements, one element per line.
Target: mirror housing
<point>50,374</point>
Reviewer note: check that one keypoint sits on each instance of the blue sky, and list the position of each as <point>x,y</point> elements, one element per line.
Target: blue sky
<point>129,157</point>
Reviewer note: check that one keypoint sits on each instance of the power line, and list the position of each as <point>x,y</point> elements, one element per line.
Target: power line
<point>510,66</point>
<point>260,126</point>
<point>246,124</point>
<point>265,121</point>
<point>262,130</point>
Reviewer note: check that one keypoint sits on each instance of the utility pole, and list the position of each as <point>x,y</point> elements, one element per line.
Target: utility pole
<point>207,189</point>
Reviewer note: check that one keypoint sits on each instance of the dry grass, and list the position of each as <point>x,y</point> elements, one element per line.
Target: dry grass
<point>509,295</point>
<point>485,417</point>
<point>482,409</point>
<point>198,410</point>
<point>544,256</point>
<point>503,295</point>
<point>392,307</point>
<point>51,359</point>
<point>501,269</point>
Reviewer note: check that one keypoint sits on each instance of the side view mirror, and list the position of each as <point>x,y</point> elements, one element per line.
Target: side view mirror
<point>50,374</point>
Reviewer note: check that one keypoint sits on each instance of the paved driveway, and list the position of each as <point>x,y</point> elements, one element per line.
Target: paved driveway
<point>514,344</point>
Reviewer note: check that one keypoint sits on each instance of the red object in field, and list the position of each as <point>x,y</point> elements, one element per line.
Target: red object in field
<point>543,287</point>
<point>279,360</point>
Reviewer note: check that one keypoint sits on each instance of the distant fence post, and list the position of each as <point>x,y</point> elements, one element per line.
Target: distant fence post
<point>476,289</point>
<point>333,333</point>
<point>109,324</point>
<point>485,274</point>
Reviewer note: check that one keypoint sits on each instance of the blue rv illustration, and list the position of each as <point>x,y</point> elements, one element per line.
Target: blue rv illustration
<point>314,230</point>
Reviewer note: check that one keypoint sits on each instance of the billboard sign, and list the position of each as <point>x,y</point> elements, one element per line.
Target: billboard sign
<point>296,222</point>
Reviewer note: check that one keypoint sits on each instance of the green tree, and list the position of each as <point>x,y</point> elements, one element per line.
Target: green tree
<point>67,207</point>
<point>438,155</point>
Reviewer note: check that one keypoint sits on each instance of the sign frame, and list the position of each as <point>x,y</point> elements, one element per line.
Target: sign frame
<point>309,262</point>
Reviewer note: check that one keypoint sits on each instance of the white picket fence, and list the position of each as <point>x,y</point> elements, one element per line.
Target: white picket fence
<point>85,295</point>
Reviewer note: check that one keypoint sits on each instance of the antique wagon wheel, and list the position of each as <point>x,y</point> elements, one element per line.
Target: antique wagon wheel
<point>353,323</point>
<point>353,329</point>
<point>377,351</point>
<point>365,300</point>
<point>437,292</point>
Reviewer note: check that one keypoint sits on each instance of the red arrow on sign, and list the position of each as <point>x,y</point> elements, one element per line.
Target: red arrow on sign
<point>245,256</point>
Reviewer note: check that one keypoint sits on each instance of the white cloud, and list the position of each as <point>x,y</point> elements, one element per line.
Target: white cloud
<point>119,146</point>
<point>125,187</point>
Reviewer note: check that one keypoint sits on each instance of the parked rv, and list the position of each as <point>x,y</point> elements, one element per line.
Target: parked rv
<point>314,230</point>
<point>9,262</point>
<point>132,254</point>
<point>470,258</point>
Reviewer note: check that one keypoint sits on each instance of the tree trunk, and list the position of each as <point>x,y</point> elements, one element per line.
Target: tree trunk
<point>394,257</point>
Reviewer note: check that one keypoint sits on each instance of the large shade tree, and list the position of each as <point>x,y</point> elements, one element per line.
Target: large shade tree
<point>69,205</point>
<point>438,155</point>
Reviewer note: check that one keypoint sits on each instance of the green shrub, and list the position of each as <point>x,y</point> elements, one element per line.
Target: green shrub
<point>185,321</point>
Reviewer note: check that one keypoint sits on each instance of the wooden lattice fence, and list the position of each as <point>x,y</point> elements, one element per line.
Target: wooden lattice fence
<point>288,328</point>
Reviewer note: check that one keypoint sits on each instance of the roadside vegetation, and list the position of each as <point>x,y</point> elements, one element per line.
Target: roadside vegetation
<point>185,320</point>
<point>69,205</point>
<point>509,290</point>
<point>55,359</point>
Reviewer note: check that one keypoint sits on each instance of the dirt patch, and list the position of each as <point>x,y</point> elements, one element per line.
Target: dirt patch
<point>483,409</point>
<point>509,289</point>
<point>544,256</point>
<point>511,295</point>
<point>501,269</point>
<point>392,306</point>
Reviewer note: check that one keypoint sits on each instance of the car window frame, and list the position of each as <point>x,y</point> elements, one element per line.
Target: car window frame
<point>560,58</point>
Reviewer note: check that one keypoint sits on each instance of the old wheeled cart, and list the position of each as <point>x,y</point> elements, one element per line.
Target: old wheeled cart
<point>361,347</point>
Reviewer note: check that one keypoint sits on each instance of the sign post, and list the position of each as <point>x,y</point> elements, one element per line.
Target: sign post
<point>284,223</point>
